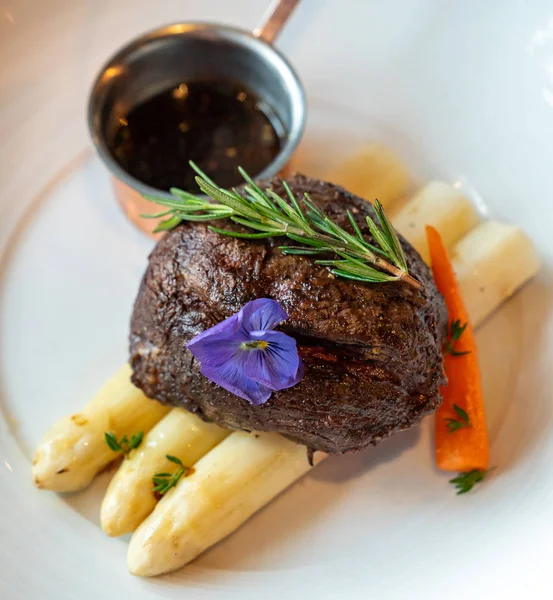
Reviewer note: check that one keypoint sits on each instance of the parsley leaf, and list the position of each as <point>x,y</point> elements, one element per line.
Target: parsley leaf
<point>455,332</point>
<point>464,482</point>
<point>456,424</point>
<point>123,445</point>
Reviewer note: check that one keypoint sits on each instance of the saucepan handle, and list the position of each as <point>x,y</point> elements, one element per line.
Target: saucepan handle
<point>274,19</point>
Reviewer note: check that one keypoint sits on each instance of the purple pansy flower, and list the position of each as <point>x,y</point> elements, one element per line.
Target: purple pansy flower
<point>245,356</point>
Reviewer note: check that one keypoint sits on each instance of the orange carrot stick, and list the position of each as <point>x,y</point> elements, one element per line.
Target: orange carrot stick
<point>465,447</point>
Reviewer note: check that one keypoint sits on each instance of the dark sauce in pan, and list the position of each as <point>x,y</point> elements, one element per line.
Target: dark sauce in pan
<point>217,124</point>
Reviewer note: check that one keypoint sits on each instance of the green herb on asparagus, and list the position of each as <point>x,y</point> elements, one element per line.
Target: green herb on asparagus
<point>163,482</point>
<point>124,445</point>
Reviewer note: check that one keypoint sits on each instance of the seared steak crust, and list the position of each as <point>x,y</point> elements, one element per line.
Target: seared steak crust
<point>372,351</point>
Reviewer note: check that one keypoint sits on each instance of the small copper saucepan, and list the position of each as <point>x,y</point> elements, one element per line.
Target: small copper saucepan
<point>167,56</point>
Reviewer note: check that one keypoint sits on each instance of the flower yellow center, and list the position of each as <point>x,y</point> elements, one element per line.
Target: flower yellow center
<point>259,345</point>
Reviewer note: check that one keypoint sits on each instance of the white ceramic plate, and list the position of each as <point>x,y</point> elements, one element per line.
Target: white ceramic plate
<point>462,92</point>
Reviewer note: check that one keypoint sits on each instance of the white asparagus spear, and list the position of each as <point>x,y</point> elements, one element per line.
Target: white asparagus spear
<point>230,483</point>
<point>491,263</point>
<point>440,205</point>
<point>74,450</point>
<point>129,498</point>
<point>373,172</point>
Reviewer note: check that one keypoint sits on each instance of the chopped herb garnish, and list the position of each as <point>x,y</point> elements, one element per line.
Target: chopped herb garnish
<point>163,482</point>
<point>124,445</point>
<point>462,421</point>
<point>455,332</point>
<point>464,482</point>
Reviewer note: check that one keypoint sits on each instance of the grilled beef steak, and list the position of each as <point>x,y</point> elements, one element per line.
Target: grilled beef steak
<point>372,351</point>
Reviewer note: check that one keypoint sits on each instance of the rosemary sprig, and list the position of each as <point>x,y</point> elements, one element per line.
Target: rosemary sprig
<point>163,482</point>
<point>123,445</point>
<point>455,332</point>
<point>312,232</point>
<point>462,421</point>
<point>464,482</point>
